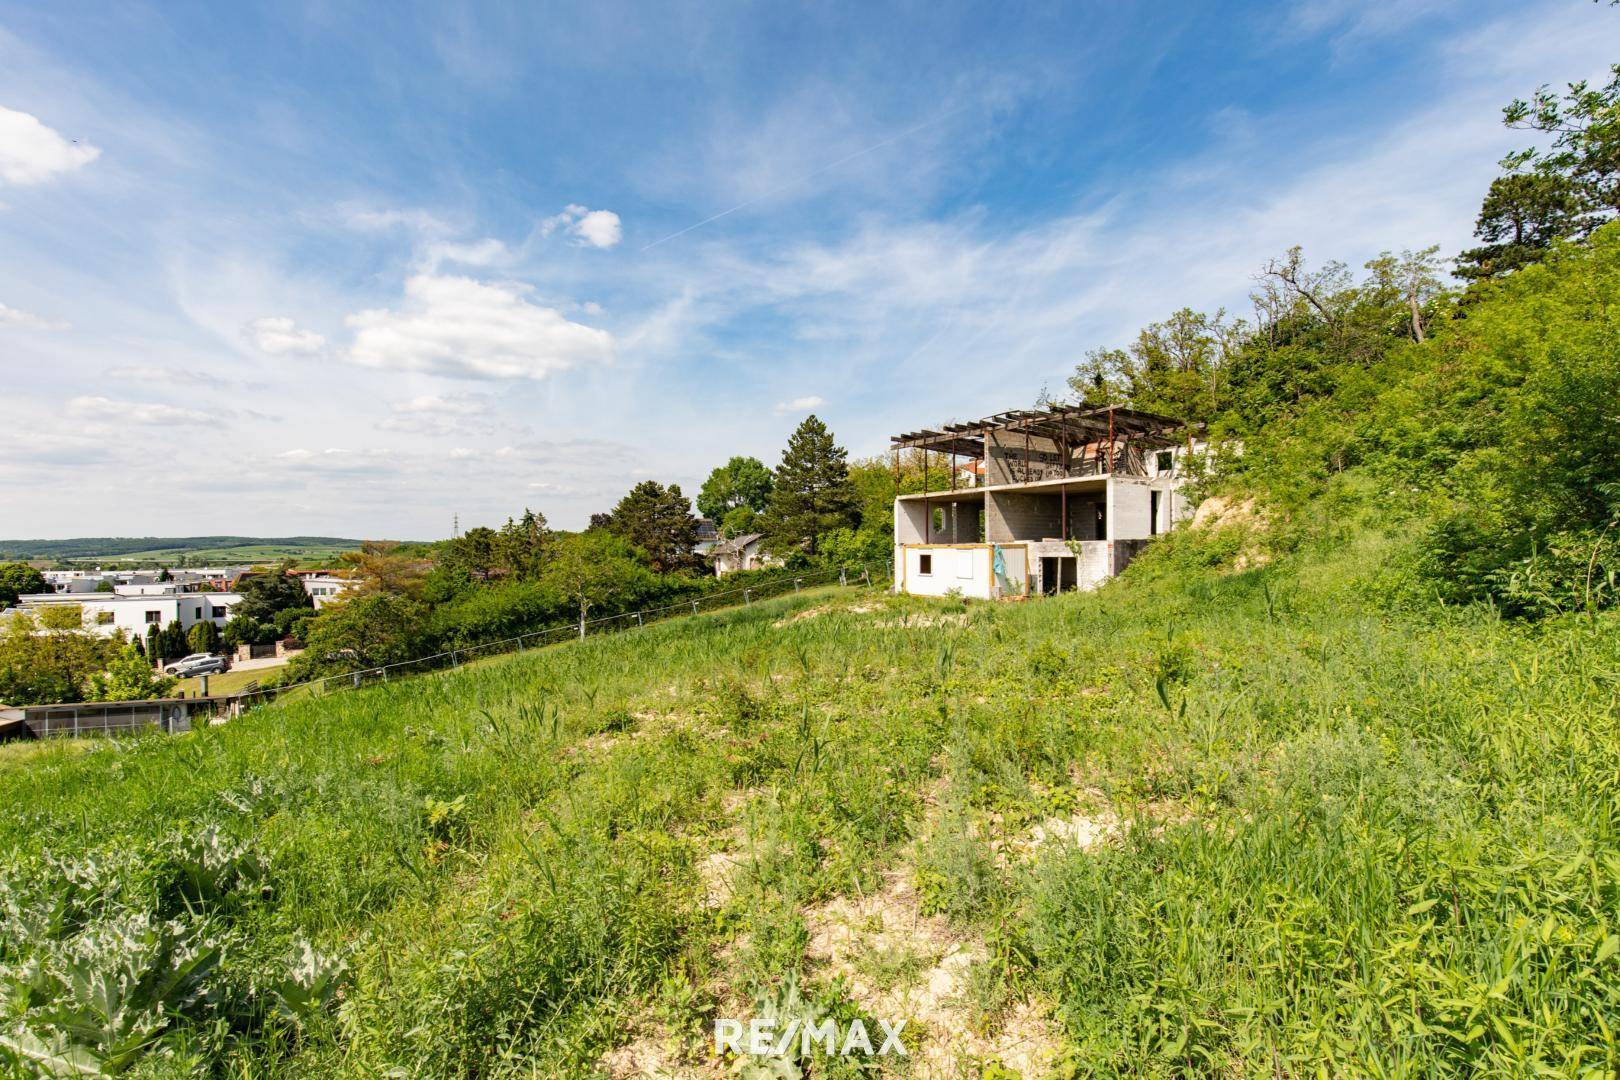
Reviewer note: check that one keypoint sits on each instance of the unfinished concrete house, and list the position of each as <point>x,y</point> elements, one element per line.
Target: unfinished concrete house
<point>1036,501</point>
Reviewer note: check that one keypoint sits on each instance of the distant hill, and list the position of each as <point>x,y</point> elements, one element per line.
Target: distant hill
<point>192,549</point>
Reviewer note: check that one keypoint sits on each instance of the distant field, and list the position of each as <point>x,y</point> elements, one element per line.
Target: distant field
<point>194,550</point>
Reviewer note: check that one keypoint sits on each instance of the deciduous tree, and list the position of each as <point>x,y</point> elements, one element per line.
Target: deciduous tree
<point>19,579</point>
<point>740,482</point>
<point>593,568</point>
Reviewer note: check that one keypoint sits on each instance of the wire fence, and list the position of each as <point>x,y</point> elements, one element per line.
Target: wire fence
<point>552,635</point>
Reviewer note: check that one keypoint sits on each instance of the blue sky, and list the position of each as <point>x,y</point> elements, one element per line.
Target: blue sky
<point>351,269</point>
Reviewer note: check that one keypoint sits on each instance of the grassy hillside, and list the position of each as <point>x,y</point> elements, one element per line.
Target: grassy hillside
<point>1204,821</point>
<point>170,550</point>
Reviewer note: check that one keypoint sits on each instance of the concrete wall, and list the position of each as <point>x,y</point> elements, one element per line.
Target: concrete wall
<point>1083,514</point>
<point>1094,565</point>
<point>1128,504</point>
<point>1012,515</point>
<point>965,570</point>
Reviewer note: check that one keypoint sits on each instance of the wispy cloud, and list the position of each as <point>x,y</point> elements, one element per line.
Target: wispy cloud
<point>27,320</point>
<point>135,412</point>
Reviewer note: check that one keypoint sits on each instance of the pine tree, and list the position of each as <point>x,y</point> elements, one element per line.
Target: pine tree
<point>812,495</point>
<point>659,521</point>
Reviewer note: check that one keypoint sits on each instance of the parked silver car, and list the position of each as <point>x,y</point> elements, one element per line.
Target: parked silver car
<point>196,664</point>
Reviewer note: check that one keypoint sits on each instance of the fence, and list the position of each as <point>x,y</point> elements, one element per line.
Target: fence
<point>629,620</point>
<point>106,717</point>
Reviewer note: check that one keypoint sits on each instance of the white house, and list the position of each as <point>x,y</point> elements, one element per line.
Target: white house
<point>108,613</point>
<point>324,588</point>
<point>744,552</point>
<point>1052,500</point>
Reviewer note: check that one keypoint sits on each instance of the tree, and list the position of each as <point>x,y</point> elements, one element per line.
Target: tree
<point>203,637</point>
<point>1585,123</point>
<point>1522,216</point>
<point>267,592</point>
<point>19,579</point>
<point>1563,192</point>
<point>242,631</point>
<point>128,677</point>
<point>380,566</point>
<point>173,642</point>
<point>813,494</point>
<point>51,658</point>
<point>740,482</point>
<point>593,568</point>
<point>362,632</point>
<point>522,545</point>
<point>1099,378</point>
<point>739,521</point>
<point>659,521</point>
<point>1412,279</point>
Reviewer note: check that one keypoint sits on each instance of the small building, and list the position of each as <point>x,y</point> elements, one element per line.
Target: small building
<point>323,588</point>
<point>745,552</point>
<point>1050,500</point>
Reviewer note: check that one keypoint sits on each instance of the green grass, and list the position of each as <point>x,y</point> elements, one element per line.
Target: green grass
<point>229,682</point>
<point>1347,842</point>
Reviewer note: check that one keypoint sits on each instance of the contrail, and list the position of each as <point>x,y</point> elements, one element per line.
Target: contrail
<point>809,176</point>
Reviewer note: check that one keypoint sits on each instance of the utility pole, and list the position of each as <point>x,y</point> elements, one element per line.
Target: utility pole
<point>455,524</point>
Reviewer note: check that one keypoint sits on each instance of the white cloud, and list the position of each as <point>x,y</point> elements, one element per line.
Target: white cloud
<point>599,228</point>
<point>337,459</point>
<point>31,153</point>
<point>461,328</point>
<point>279,335</point>
<point>802,404</point>
<point>135,412</point>
<point>434,414</point>
<point>453,405</point>
<point>179,376</point>
<point>596,228</point>
<point>27,320</point>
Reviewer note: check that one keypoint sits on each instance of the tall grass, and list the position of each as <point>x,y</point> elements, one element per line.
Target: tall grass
<point>1359,842</point>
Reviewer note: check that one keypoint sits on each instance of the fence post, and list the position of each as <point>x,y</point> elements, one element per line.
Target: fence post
<point>866,575</point>
<point>694,607</point>
<point>357,680</point>
<point>639,623</point>
<point>745,597</point>
<point>796,584</point>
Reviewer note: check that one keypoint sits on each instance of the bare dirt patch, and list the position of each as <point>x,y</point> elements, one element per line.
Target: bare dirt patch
<point>923,621</point>
<point>901,964</point>
<point>654,1053</point>
<point>824,609</point>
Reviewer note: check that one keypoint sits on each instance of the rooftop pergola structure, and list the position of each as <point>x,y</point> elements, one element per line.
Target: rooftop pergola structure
<point>1051,435</point>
